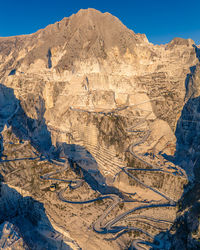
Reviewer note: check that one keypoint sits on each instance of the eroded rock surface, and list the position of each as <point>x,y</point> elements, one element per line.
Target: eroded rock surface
<point>89,90</point>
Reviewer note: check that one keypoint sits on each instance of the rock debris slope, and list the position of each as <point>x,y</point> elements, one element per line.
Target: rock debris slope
<point>120,111</point>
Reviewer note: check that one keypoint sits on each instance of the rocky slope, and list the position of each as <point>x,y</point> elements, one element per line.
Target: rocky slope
<point>90,90</point>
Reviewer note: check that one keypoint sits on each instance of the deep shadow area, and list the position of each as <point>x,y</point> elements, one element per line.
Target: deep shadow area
<point>36,131</point>
<point>188,137</point>
<point>29,217</point>
<point>49,55</point>
<point>184,233</point>
<point>187,154</point>
<point>197,51</point>
<point>28,214</point>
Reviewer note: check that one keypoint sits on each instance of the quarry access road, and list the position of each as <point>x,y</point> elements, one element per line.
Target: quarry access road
<point>77,182</point>
<point>109,227</point>
<point>133,130</point>
<point>19,159</point>
<point>111,111</point>
<point>126,169</point>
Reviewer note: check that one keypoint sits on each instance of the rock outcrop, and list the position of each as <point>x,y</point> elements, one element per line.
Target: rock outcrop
<point>91,83</point>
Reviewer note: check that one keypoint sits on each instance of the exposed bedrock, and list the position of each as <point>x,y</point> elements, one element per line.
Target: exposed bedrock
<point>123,111</point>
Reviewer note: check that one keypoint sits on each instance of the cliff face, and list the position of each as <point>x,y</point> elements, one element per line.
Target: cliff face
<point>91,61</point>
<point>91,82</point>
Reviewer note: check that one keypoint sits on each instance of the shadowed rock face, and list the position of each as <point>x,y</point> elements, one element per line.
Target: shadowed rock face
<point>185,232</point>
<point>24,224</point>
<point>8,104</point>
<point>36,132</point>
<point>89,89</point>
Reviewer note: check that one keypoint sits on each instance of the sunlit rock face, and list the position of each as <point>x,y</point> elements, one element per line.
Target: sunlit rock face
<point>91,61</point>
<point>89,89</point>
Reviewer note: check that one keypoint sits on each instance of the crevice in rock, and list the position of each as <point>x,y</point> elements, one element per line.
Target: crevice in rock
<point>49,55</point>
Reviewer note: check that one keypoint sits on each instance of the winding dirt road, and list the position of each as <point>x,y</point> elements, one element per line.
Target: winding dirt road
<point>110,226</point>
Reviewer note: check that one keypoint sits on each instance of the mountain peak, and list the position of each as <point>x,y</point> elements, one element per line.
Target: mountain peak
<point>88,33</point>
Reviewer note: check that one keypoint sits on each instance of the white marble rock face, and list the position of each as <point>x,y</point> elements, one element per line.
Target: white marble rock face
<point>90,82</point>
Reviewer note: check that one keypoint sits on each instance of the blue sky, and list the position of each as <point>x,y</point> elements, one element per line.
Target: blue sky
<point>160,20</point>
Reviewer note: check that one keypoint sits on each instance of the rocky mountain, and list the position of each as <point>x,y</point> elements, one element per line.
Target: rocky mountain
<point>99,138</point>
